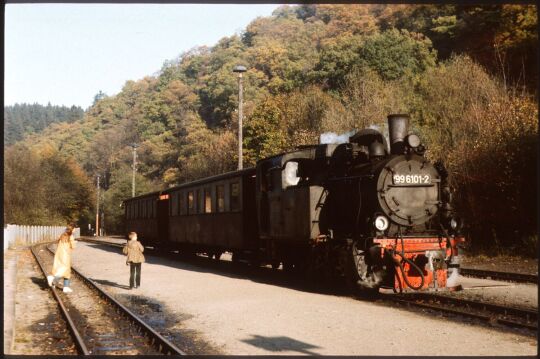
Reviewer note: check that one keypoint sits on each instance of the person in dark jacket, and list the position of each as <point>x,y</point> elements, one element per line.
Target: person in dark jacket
<point>134,251</point>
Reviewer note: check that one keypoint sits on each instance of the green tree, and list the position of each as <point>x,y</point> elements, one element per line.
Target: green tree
<point>395,53</point>
<point>263,132</point>
<point>120,190</point>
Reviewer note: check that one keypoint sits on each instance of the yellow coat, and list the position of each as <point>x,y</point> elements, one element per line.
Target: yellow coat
<point>62,257</point>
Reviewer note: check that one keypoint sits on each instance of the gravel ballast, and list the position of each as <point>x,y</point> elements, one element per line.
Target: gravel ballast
<point>220,313</point>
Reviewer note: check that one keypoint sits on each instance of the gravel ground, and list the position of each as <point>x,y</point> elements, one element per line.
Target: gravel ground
<point>10,287</point>
<point>222,313</point>
<point>39,327</point>
<point>514,294</point>
<point>500,263</point>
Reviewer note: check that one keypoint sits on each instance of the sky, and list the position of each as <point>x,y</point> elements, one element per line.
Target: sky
<point>66,53</point>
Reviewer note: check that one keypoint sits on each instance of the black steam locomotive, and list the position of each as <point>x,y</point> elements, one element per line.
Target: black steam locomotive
<point>378,215</point>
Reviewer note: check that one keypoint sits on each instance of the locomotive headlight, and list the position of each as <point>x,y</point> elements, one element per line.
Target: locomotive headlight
<point>381,223</point>
<point>413,140</point>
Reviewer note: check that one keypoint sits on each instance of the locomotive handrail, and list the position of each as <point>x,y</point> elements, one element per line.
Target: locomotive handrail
<point>350,177</point>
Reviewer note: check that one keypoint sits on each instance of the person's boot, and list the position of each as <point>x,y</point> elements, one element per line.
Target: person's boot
<point>50,280</point>
<point>67,290</point>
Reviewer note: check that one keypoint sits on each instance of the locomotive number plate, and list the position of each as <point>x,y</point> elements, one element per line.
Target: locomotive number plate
<point>412,179</point>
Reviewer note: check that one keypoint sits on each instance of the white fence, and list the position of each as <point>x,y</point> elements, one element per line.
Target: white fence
<point>27,235</point>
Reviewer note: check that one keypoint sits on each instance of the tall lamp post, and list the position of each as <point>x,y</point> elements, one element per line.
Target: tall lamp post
<point>134,146</point>
<point>240,70</point>
<point>97,208</point>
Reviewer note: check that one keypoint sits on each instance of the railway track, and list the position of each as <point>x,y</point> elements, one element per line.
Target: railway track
<point>512,277</point>
<point>99,323</point>
<point>486,312</point>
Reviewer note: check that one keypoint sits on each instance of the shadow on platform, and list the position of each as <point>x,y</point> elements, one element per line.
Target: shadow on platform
<point>229,269</point>
<point>278,344</point>
<point>41,282</point>
<point>109,283</point>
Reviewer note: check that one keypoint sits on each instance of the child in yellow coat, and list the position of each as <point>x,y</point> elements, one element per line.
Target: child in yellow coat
<point>62,260</point>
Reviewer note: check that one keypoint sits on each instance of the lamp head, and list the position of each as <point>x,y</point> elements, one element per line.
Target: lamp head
<point>239,68</point>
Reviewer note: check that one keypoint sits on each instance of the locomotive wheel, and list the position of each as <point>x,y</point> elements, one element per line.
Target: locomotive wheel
<point>288,266</point>
<point>217,255</point>
<point>159,250</point>
<point>235,258</point>
<point>275,264</point>
<point>363,278</point>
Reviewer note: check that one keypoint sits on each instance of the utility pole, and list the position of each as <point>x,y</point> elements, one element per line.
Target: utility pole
<point>134,146</point>
<point>240,70</point>
<point>97,208</point>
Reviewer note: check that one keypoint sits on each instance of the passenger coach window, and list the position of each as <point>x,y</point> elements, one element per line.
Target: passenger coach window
<point>191,202</point>
<point>207,200</point>
<point>200,203</point>
<point>182,202</point>
<point>174,205</point>
<point>220,198</point>
<point>235,196</point>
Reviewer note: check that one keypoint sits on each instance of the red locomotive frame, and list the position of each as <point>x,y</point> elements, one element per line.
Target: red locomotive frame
<point>414,247</point>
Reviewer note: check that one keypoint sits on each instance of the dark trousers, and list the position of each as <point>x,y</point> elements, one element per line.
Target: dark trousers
<point>135,274</point>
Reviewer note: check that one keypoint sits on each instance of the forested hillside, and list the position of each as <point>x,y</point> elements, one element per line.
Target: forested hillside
<point>467,75</point>
<point>23,119</point>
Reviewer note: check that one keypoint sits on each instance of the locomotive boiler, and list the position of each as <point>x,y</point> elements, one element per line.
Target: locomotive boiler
<point>375,213</point>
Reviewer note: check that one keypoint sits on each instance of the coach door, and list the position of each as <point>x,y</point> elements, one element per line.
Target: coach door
<point>163,219</point>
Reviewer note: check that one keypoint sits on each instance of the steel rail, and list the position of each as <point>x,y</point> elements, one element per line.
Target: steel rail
<point>528,314</point>
<point>416,299</point>
<point>513,277</point>
<point>79,343</point>
<point>157,339</point>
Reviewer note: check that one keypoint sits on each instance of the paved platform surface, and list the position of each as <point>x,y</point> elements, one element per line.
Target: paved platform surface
<point>231,314</point>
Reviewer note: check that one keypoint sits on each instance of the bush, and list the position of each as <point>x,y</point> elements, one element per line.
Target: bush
<point>488,139</point>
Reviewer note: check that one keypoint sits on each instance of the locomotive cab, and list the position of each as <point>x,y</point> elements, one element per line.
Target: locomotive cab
<point>290,198</point>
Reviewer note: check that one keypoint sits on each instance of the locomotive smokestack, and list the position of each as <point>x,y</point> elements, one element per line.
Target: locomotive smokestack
<point>398,127</point>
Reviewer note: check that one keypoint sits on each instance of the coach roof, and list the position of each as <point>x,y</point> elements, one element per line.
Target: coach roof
<point>244,172</point>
